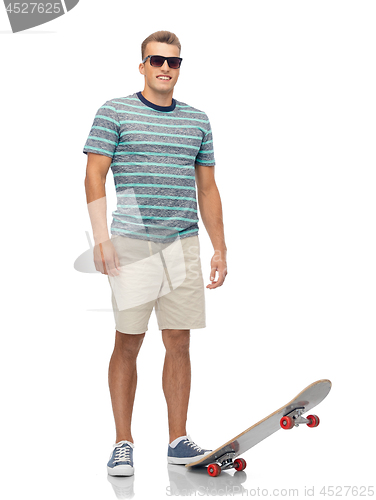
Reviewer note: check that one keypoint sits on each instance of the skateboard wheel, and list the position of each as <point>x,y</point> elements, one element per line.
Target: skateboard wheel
<point>214,470</point>
<point>240,464</point>
<point>314,420</point>
<point>287,423</point>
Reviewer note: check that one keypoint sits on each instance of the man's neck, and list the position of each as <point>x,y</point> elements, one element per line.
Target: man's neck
<point>157,98</point>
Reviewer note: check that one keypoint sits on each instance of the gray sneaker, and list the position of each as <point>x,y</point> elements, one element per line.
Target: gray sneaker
<point>185,452</point>
<point>121,459</point>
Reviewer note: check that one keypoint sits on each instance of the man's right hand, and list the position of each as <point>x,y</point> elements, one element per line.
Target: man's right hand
<point>106,259</point>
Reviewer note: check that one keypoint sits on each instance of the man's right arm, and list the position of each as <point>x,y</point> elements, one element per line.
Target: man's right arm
<point>95,187</point>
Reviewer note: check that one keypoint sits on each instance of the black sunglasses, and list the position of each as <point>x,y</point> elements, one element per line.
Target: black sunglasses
<point>158,61</point>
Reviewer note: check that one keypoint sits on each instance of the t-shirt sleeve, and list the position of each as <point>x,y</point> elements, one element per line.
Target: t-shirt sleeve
<point>205,156</point>
<point>104,134</point>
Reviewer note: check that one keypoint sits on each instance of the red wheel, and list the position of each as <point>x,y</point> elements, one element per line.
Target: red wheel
<point>240,464</point>
<point>214,470</point>
<point>314,420</point>
<point>287,423</point>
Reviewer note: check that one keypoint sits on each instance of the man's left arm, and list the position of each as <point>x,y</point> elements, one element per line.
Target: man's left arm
<point>210,205</point>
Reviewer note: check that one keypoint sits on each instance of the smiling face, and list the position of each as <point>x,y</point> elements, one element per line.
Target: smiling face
<point>151,73</point>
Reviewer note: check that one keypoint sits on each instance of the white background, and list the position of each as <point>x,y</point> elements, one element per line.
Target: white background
<point>289,88</point>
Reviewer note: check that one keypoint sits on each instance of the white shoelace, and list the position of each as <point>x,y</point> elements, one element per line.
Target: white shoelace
<point>189,442</point>
<point>122,454</point>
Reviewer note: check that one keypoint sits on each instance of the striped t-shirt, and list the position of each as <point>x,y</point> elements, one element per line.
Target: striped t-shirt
<point>154,150</point>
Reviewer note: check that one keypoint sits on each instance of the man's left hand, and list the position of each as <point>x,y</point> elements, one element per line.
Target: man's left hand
<point>218,264</point>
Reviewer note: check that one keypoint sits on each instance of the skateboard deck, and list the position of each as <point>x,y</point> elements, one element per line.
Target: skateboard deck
<point>287,417</point>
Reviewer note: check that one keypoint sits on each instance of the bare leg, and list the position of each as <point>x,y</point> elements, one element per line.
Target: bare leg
<point>176,379</point>
<point>122,379</point>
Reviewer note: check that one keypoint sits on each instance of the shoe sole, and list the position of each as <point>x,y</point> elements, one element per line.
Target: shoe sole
<point>120,470</point>
<point>186,460</point>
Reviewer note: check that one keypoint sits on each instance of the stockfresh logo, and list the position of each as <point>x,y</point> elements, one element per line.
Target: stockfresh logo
<point>25,15</point>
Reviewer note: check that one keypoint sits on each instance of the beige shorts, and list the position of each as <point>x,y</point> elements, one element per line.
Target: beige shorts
<point>166,276</point>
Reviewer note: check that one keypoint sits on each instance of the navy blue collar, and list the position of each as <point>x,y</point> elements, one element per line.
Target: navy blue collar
<point>155,106</point>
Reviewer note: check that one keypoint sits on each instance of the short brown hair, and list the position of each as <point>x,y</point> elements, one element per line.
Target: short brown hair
<point>161,37</point>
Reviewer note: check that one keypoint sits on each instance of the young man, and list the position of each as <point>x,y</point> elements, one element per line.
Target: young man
<point>159,149</point>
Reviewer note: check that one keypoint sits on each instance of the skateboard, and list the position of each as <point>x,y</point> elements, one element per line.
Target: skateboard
<point>286,417</point>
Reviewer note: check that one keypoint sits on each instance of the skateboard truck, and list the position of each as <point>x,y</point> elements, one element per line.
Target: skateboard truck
<point>226,462</point>
<point>294,418</point>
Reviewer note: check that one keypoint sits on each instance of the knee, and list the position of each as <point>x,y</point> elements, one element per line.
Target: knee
<point>176,342</point>
<point>128,345</point>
